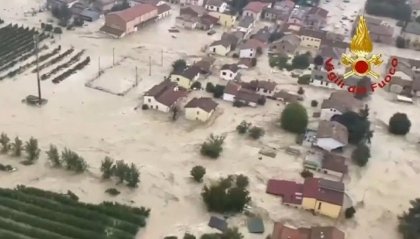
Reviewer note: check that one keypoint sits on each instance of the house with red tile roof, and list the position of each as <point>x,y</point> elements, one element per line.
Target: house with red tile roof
<point>316,18</point>
<point>321,196</point>
<point>200,109</point>
<point>339,103</point>
<point>235,92</point>
<point>127,21</point>
<point>250,49</point>
<point>331,135</point>
<point>262,87</point>
<point>164,96</point>
<point>331,164</point>
<point>255,9</point>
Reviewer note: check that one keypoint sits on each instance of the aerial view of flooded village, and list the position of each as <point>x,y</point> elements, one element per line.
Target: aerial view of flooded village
<point>210,119</point>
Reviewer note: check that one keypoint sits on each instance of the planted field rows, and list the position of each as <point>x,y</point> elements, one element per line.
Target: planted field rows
<point>34,213</point>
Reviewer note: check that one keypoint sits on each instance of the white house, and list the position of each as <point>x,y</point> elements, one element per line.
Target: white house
<point>339,103</point>
<point>331,135</point>
<point>311,38</point>
<point>220,47</point>
<point>250,49</point>
<point>230,91</point>
<point>192,2</point>
<point>164,96</point>
<point>229,72</point>
<point>216,5</point>
<point>255,9</point>
<point>319,78</point>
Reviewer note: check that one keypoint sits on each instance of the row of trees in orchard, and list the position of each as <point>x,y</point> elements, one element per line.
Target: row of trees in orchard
<point>17,147</point>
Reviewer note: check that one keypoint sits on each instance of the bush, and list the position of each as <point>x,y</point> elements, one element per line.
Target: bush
<point>179,65</point>
<point>218,91</point>
<point>58,30</point>
<point>301,91</point>
<point>399,124</point>
<point>261,101</point>
<point>54,156</point>
<point>144,107</point>
<point>243,127</point>
<point>17,147</point>
<point>235,55</point>
<point>170,237</point>
<point>400,42</point>
<point>112,191</point>
<point>301,61</point>
<point>4,141</point>
<point>304,79</point>
<point>349,213</point>
<point>197,172</point>
<point>361,155</point>
<point>32,150</point>
<point>238,104</point>
<point>357,126</point>
<point>107,167</point>
<point>314,103</point>
<point>188,236</point>
<point>242,181</point>
<point>256,132</point>
<point>196,85</point>
<point>306,174</point>
<point>409,225</point>
<point>210,87</point>
<point>294,118</point>
<point>213,146</point>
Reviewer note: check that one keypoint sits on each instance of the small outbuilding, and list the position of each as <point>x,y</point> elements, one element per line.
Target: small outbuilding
<point>255,225</point>
<point>218,224</point>
<point>89,15</point>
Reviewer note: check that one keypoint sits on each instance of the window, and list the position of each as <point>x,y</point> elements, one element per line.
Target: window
<point>198,112</point>
<point>157,107</point>
<point>265,91</point>
<point>319,206</point>
<point>250,54</point>
<point>177,79</point>
<point>149,100</point>
<point>214,49</point>
<point>223,73</point>
<point>230,74</point>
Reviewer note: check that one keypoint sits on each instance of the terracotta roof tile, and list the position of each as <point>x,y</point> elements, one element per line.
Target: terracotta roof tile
<point>204,103</point>
<point>334,130</point>
<point>255,7</point>
<point>132,13</point>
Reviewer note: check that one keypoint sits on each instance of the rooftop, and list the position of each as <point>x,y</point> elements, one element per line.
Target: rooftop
<point>334,130</point>
<point>132,13</point>
<point>204,103</point>
<point>255,7</point>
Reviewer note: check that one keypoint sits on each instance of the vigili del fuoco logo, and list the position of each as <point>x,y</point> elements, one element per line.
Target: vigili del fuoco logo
<point>361,62</point>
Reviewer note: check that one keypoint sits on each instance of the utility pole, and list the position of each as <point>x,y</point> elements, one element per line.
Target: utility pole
<point>150,65</point>
<point>113,56</point>
<point>161,58</point>
<point>99,66</point>
<point>36,41</point>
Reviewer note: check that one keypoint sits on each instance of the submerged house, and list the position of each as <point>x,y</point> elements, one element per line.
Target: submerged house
<point>164,96</point>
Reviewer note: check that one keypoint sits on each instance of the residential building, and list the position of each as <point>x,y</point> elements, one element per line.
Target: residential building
<point>231,89</point>
<point>411,34</point>
<point>379,30</point>
<point>234,92</point>
<point>216,5</point>
<point>281,231</point>
<point>246,24</point>
<point>287,97</point>
<point>233,38</point>
<point>321,196</point>
<point>104,6</point>
<point>192,11</point>
<point>298,16</point>
<point>338,103</point>
<point>265,88</point>
<point>205,65</point>
<point>187,22</point>
<point>207,22</point>
<point>229,72</point>
<point>286,45</point>
<point>246,63</point>
<point>191,2</point>
<point>225,19</point>
<point>331,135</point>
<point>164,96</point>
<point>255,9</point>
<point>250,49</point>
<point>319,78</point>
<point>316,18</point>
<point>151,2</point>
<point>330,164</point>
<point>263,35</point>
<point>311,38</point>
<point>200,109</point>
<point>89,15</point>
<point>187,77</point>
<point>220,47</point>
<point>415,9</point>
<point>164,10</point>
<point>51,4</point>
<point>279,12</point>
<point>129,20</point>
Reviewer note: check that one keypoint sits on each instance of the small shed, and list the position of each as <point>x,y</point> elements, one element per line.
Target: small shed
<point>89,15</point>
<point>255,225</point>
<point>217,223</point>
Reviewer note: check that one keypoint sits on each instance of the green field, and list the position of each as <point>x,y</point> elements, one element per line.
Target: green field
<point>33,213</point>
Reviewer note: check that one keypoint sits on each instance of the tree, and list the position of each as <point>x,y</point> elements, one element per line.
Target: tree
<point>107,167</point>
<point>17,147</point>
<point>210,87</point>
<point>58,30</point>
<point>213,146</point>
<point>218,91</point>
<point>261,100</point>
<point>197,172</point>
<point>132,176</point>
<point>357,127</point>
<point>32,150</point>
<point>196,85</point>
<point>243,127</point>
<point>294,118</point>
<point>361,155</point>
<point>318,61</point>
<point>242,181</point>
<point>301,91</point>
<point>349,213</point>
<point>4,141</point>
<point>73,161</point>
<point>409,222</point>
<point>256,132</point>
<point>179,65</point>
<point>63,13</point>
<point>399,124</point>
<point>188,236</point>
<point>121,170</point>
<point>400,42</point>
<point>53,156</point>
<point>301,61</point>
<point>304,80</point>
<point>211,235</point>
<point>232,233</point>
<point>306,174</point>
<point>314,103</point>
